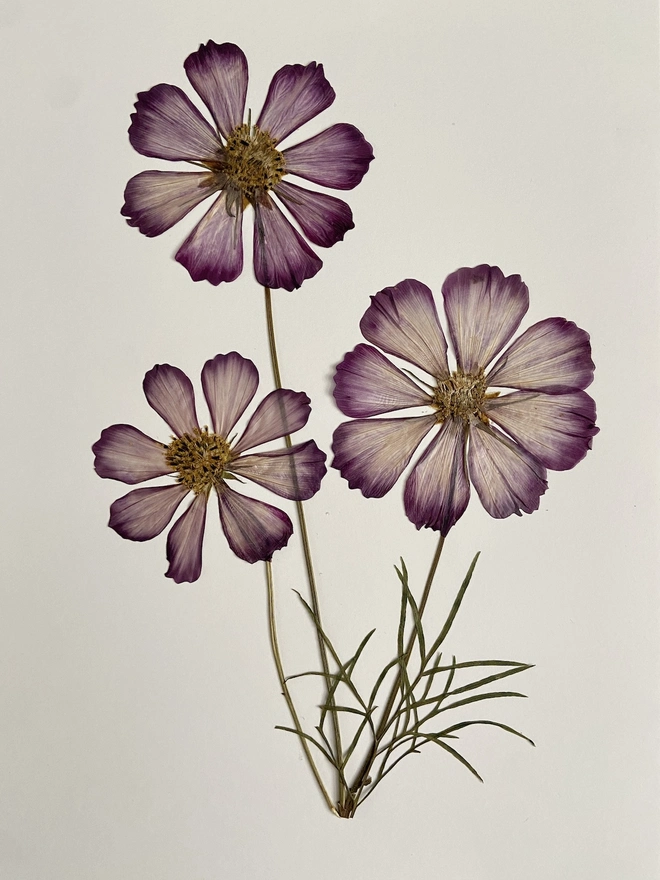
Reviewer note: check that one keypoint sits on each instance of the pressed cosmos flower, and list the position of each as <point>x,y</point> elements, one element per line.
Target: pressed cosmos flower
<point>202,460</point>
<point>502,443</point>
<point>243,165</point>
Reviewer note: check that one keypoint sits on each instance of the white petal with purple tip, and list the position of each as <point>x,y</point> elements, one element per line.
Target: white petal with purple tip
<point>556,428</point>
<point>167,125</point>
<point>338,157</point>
<point>403,321</point>
<point>296,95</point>
<point>254,530</point>
<point>230,382</point>
<point>213,251</point>
<point>144,513</point>
<point>294,473</point>
<point>184,543</point>
<point>368,384</point>
<point>282,257</point>
<point>552,356</point>
<point>124,453</point>
<point>372,453</point>
<point>484,309</point>
<point>155,200</point>
<point>281,412</point>
<point>169,391</point>
<point>437,490</point>
<point>507,478</point>
<point>219,75</point>
<point>323,218</point>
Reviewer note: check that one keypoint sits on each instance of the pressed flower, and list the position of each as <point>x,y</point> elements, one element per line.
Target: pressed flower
<point>201,460</point>
<point>500,441</point>
<point>243,165</point>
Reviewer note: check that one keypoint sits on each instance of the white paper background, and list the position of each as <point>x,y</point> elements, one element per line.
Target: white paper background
<point>136,720</point>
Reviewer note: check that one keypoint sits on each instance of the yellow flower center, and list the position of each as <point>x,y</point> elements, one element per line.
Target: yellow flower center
<point>249,164</point>
<point>199,458</point>
<point>460,396</point>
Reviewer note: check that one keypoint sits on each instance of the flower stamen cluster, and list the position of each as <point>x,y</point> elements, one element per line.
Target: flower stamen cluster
<point>200,459</point>
<point>460,396</point>
<point>249,164</point>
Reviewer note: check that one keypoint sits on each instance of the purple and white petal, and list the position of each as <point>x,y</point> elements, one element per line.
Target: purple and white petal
<point>338,157</point>
<point>281,412</point>
<point>438,490</point>
<point>372,453</point>
<point>169,391</point>
<point>484,309</point>
<point>213,251</point>
<point>184,542</point>
<point>296,95</point>
<point>324,219</point>
<point>230,382</point>
<point>403,321</point>
<point>155,200</point>
<point>167,125</point>
<point>254,530</point>
<point>294,473</point>
<point>219,75</point>
<point>552,356</point>
<point>368,384</point>
<point>144,513</point>
<point>556,428</point>
<point>124,453</point>
<point>507,478</point>
<point>282,257</point>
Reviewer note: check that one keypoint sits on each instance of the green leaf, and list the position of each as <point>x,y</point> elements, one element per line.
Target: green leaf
<point>454,609</point>
<point>462,724</point>
<point>310,739</point>
<point>489,679</point>
<point>431,738</point>
<point>417,620</point>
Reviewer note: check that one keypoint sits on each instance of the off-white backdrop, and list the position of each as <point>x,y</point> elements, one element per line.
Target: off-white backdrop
<point>136,716</point>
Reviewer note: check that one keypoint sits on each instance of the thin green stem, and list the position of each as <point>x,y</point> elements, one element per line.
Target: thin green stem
<point>272,626</point>
<point>385,721</point>
<point>309,566</point>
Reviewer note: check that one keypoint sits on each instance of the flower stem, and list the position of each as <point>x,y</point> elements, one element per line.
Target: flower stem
<point>272,626</point>
<point>309,567</point>
<point>361,780</point>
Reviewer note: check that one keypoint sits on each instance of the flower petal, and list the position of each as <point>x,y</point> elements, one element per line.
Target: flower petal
<point>294,473</point>
<point>324,219</point>
<point>282,258</point>
<point>219,75</point>
<point>167,125</point>
<point>213,251</point>
<point>229,382</point>
<point>144,513</point>
<point>169,391</point>
<point>484,310</point>
<point>280,412</point>
<point>437,490</point>
<point>155,200</point>
<point>296,95</point>
<point>372,453</point>
<point>403,321</point>
<point>556,428</point>
<point>338,157</point>
<point>368,384</point>
<point>124,453</point>
<point>184,542</point>
<point>552,356</point>
<point>507,478</point>
<point>255,530</point>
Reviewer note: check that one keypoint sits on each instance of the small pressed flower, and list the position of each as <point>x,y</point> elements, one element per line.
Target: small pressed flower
<point>243,165</point>
<point>500,442</point>
<point>202,460</point>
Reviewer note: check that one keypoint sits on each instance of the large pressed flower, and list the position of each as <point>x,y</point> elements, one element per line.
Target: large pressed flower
<point>243,165</point>
<point>501,442</point>
<point>202,460</point>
